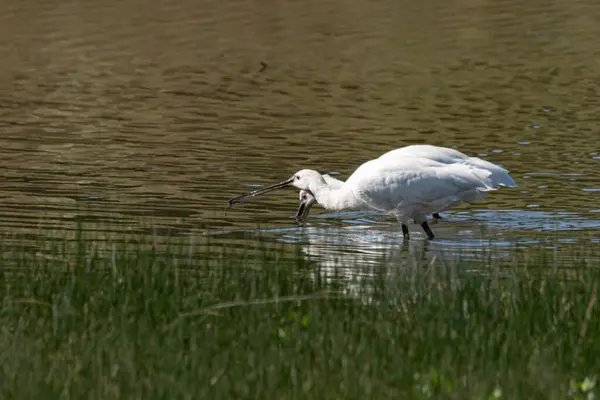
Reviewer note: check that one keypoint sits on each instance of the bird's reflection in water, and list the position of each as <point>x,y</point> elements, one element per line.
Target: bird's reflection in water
<point>355,256</point>
<point>368,251</point>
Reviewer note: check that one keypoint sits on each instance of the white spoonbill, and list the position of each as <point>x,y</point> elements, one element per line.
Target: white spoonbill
<point>404,187</point>
<point>444,155</point>
<point>307,200</point>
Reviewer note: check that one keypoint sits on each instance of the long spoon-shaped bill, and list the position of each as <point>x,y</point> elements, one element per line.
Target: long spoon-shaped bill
<point>260,191</point>
<point>302,213</point>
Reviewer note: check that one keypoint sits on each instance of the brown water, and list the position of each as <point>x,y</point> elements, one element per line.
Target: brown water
<point>132,114</point>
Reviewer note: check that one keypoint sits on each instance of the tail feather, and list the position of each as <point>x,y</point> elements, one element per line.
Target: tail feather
<point>499,176</point>
<point>479,178</point>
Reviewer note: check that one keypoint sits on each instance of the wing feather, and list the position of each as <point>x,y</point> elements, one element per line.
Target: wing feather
<point>392,184</point>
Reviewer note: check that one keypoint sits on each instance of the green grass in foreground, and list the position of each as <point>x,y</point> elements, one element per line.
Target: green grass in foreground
<point>147,325</point>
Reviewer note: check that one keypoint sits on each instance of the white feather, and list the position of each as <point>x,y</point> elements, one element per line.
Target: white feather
<point>411,182</point>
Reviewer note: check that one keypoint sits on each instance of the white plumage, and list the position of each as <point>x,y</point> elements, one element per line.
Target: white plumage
<point>498,176</point>
<point>407,183</point>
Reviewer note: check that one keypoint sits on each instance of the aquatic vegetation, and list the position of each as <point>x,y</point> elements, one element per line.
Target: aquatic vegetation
<point>106,319</point>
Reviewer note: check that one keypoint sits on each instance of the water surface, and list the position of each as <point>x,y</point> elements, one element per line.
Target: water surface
<point>133,115</point>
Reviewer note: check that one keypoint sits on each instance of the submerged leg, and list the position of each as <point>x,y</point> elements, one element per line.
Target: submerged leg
<point>427,230</point>
<point>405,232</point>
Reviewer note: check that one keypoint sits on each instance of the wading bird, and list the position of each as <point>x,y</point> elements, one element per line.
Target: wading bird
<point>406,187</point>
<point>443,155</point>
<point>307,200</point>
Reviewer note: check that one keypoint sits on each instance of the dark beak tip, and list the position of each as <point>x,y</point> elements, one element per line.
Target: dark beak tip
<point>260,191</point>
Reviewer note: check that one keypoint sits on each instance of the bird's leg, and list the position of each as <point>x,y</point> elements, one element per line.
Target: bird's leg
<point>405,232</point>
<point>427,230</point>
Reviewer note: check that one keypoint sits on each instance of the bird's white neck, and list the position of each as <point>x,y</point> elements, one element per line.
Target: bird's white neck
<point>334,199</point>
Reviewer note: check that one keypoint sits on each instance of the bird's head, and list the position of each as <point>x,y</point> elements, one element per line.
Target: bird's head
<point>305,179</point>
<point>306,202</point>
<point>306,197</point>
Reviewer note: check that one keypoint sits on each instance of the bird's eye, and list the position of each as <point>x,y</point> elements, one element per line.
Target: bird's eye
<point>297,177</point>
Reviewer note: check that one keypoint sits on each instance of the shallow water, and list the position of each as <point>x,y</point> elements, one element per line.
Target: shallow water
<point>131,116</point>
